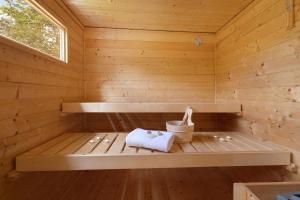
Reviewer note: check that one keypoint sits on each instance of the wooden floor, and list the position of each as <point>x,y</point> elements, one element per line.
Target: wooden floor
<point>142,184</point>
<point>89,151</point>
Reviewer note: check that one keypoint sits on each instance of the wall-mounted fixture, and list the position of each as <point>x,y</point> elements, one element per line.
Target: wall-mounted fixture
<point>198,41</point>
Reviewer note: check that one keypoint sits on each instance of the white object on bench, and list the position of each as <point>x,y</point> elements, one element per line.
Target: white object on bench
<point>156,140</point>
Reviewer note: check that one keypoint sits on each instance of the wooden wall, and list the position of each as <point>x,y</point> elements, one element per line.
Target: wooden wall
<point>32,88</point>
<point>258,65</point>
<point>146,66</point>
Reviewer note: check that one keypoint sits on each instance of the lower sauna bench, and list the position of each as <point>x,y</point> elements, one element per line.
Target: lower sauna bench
<point>92,151</point>
<point>263,191</point>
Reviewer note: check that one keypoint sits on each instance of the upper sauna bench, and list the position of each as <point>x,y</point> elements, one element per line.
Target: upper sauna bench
<point>104,107</point>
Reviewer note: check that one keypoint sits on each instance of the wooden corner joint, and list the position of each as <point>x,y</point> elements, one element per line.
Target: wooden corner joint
<point>290,13</point>
<point>13,175</point>
<point>292,168</point>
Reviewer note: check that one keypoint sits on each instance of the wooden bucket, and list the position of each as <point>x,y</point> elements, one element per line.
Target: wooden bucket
<point>182,130</point>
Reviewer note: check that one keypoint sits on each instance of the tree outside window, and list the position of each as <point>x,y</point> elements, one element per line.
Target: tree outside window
<point>23,22</point>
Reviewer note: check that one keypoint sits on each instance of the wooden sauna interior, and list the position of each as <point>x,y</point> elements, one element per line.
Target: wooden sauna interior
<point>139,63</point>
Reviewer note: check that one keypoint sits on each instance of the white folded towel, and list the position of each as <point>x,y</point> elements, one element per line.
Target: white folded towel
<point>157,140</point>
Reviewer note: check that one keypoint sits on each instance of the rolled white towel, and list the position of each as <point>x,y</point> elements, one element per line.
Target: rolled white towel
<point>157,140</point>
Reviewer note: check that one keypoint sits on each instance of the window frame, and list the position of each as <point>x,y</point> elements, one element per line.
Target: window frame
<point>63,38</point>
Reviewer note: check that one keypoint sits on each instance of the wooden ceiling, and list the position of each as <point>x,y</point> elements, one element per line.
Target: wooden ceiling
<point>171,15</point>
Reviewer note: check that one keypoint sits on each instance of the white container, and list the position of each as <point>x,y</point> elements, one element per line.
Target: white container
<point>182,133</point>
<point>182,130</point>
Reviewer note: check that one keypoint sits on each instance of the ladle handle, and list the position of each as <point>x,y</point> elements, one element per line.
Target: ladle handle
<point>187,118</point>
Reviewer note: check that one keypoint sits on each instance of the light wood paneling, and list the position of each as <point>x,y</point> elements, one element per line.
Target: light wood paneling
<point>174,15</point>
<point>127,66</point>
<point>146,66</point>
<point>32,88</point>
<point>258,61</point>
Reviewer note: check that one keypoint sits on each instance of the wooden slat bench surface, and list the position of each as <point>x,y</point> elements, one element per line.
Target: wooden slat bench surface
<point>105,107</point>
<point>92,151</point>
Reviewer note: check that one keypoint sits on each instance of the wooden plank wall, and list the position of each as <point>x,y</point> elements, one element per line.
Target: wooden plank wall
<point>258,65</point>
<point>146,66</point>
<point>32,88</point>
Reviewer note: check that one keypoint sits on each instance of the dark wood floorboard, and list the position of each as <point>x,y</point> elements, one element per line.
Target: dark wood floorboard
<point>148,184</point>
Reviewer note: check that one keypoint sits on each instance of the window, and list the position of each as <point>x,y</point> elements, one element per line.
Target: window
<point>26,22</point>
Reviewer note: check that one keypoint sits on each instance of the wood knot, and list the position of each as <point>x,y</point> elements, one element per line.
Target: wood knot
<point>279,125</point>
<point>229,76</point>
<point>235,94</point>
